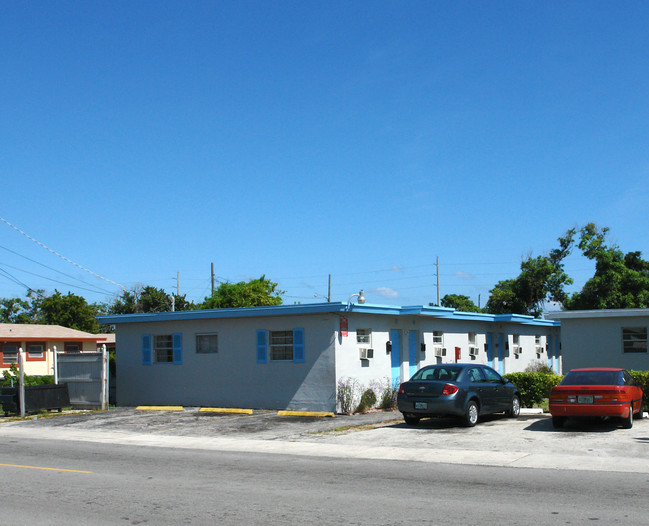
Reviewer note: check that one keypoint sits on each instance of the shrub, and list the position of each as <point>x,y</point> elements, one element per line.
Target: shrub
<point>10,377</point>
<point>346,395</point>
<point>368,399</point>
<point>534,387</point>
<point>642,378</point>
<point>389,394</point>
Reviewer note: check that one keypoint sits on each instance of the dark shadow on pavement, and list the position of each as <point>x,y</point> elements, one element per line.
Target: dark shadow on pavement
<point>577,425</point>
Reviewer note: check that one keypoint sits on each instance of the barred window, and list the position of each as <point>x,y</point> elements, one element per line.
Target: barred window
<point>207,343</point>
<point>281,345</point>
<point>634,339</point>
<point>163,348</point>
<point>364,336</point>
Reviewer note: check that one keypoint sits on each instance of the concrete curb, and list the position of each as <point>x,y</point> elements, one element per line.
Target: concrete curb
<point>227,410</point>
<point>159,408</point>
<point>305,413</point>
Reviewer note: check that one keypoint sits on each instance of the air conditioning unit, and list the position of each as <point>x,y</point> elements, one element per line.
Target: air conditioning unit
<point>365,354</point>
<point>440,351</point>
<point>517,349</point>
<point>473,350</point>
<point>539,349</point>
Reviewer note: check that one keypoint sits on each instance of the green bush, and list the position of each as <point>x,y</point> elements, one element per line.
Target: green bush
<point>642,377</point>
<point>534,387</point>
<point>11,376</point>
<point>368,399</point>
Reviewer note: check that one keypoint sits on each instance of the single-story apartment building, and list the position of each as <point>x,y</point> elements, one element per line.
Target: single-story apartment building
<point>604,338</point>
<point>293,356</point>
<point>38,342</point>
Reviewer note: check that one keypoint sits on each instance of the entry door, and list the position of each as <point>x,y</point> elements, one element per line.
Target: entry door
<point>412,352</point>
<point>395,359</point>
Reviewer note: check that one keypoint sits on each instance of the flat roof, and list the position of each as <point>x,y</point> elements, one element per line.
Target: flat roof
<point>603,313</point>
<point>319,308</point>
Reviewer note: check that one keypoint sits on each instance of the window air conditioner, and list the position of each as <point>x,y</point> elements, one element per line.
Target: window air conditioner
<point>365,353</point>
<point>517,349</point>
<point>539,349</point>
<point>440,351</point>
<point>473,350</point>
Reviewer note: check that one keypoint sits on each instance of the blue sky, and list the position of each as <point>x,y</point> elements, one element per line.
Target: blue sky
<point>146,140</point>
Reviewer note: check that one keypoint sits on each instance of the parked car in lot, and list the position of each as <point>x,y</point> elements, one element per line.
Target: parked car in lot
<point>455,389</point>
<point>598,391</point>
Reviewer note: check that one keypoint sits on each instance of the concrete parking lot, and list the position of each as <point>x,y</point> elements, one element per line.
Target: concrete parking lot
<point>529,441</point>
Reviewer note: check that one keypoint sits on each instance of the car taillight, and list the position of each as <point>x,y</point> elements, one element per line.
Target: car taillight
<point>449,389</point>
<point>402,390</point>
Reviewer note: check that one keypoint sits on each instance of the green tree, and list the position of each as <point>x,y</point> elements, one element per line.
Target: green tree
<point>459,302</point>
<point>70,311</point>
<point>148,299</point>
<point>621,281</point>
<point>253,293</point>
<point>542,279</point>
<point>15,310</point>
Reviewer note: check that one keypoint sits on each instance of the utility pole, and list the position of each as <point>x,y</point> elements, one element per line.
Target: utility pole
<point>329,290</point>
<point>212,278</point>
<point>437,265</point>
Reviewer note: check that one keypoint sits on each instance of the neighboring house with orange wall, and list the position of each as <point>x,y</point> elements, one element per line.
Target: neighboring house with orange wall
<point>39,342</point>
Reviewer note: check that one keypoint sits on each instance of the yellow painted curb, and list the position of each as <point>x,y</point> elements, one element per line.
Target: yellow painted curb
<point>304,413</point>
<point>159,408</point>
<point>225,410</point>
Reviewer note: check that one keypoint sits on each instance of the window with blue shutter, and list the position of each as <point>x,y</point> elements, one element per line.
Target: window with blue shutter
<point>178,348</point>
<point>262,352</point>
<point>298,345</point>
<point>146,349</point>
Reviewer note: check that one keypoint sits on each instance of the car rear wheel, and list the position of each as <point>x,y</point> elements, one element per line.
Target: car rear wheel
<point>515,408</point>
<point>471,414</point>
<point>627,423</point>
<point>640,414</point>
<point>557,421</point>
<point>411,420</point>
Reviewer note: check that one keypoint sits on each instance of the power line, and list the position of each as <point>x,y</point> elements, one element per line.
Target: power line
<point>59,255</point>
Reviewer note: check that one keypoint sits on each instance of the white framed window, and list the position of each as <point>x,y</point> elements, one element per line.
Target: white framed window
<point>364,336</point>
<point>537,340</point>
<point>438,338</point>
<point>516,338</point>
<point>634,339</point>
<point>281,345</point>
<point>472,339</point>
<point>207,343</point>
<point>9,353</point>
<point>35,350</point>
<point>163,348</point>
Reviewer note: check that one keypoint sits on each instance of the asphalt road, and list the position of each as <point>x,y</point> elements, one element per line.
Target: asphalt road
<point>122,484</point>
<point>131,467</point>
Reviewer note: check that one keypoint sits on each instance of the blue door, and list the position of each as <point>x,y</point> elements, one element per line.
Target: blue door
<point>395,359</point>
<point>412,352</point>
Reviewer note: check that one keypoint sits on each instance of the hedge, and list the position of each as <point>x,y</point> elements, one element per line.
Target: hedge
<point>535,387</point>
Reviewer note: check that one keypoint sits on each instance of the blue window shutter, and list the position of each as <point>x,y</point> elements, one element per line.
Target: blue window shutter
<point>178,348</point>
<point>298,345</point>
<point>262,353</point>
<point>146,349</point>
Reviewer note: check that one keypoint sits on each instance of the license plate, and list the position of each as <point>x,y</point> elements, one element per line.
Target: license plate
<point>584,399</point>
<point>421,405</point>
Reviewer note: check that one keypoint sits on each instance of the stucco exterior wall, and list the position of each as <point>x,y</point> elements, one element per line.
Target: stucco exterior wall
<point>231,377</point>
<point>597,342</point>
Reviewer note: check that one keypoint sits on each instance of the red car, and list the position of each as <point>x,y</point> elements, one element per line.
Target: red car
<point>598,391</point>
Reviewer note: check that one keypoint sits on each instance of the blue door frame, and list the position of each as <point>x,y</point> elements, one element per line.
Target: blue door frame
<point>412,352</point>
<point>395,359</point>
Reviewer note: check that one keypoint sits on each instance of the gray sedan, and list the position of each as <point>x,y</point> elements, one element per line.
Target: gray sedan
<point>456,389</point>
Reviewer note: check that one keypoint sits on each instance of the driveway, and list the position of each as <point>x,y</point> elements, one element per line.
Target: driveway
<point>529,441</point>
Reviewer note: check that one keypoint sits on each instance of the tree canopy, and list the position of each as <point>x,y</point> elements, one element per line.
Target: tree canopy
<point>459,302</point>
<point>148,299</point>
<point>70,311</point>
<point>254,293</point>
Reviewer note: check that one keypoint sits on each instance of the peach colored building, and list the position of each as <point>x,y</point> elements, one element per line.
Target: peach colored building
<point>39,342</point>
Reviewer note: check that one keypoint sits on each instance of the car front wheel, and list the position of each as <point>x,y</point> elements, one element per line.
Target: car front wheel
<point>471,414</point>
<point>515,408</point>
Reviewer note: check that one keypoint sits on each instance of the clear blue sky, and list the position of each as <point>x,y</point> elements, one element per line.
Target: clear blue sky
<point>301,139</point>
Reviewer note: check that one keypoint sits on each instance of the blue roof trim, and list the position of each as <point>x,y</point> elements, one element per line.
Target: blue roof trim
<point>319,308</point>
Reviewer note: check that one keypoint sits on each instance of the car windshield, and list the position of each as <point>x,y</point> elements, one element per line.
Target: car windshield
<point>445,374</point>
<point>592,378</point>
